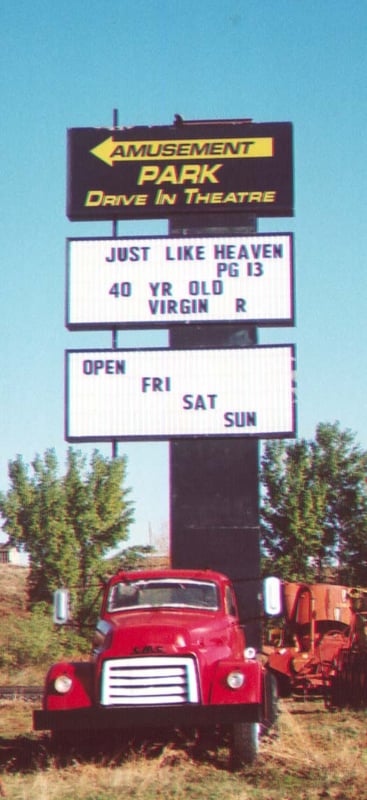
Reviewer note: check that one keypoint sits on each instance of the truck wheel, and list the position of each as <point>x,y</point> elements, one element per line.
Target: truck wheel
<point>270,710</point>
<point>244,744</point>
<point>284,685</point>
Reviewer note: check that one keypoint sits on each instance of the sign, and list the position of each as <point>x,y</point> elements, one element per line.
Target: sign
<point>142,172</point>
<point>159,282</point>
<point>164,393</point>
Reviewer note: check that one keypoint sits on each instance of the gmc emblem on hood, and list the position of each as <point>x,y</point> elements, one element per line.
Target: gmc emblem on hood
<point>139,651</point>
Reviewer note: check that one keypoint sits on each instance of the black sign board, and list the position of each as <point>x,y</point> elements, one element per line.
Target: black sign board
<point>156,172</point>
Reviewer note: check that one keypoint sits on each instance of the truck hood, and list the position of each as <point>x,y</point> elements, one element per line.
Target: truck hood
<point>167,631</point>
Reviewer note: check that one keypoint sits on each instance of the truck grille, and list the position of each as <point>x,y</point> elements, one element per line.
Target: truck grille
<point>149,681</point>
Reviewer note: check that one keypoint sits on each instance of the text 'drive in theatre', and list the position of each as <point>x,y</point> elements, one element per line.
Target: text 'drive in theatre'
<point>160,171</point>
<point>162,281</point>
<point>164,393</point>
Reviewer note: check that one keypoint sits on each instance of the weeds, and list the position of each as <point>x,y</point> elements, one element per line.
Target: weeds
<point>315,756</point>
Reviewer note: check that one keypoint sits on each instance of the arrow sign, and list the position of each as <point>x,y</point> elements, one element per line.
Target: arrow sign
<point>156,172</point>
<point>112,151</point>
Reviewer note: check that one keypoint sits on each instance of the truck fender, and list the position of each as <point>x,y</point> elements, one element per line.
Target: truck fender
<point>80,693</point>
<point>249,692</point>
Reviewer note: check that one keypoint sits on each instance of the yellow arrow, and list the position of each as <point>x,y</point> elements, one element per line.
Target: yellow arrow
<point>111,151</point>
<point>104,150</point>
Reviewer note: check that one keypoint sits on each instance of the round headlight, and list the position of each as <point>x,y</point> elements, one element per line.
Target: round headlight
<point>63,684</point>
<point>235,680</point>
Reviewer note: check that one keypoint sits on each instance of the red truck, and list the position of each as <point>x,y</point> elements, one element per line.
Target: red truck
<point>168,651</point>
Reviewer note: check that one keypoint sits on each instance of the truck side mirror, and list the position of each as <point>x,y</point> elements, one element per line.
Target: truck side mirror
<point>61,607</point>
<point>272,596</point>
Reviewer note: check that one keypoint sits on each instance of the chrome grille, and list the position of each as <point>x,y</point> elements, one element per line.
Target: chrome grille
<point>149,681</point>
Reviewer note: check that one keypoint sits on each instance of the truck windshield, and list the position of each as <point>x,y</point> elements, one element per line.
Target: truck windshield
<point>154,593</point>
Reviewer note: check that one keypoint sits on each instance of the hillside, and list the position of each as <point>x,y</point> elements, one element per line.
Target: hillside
<point>13,585</point>
<point>13,590</point>
<point>29,642</point>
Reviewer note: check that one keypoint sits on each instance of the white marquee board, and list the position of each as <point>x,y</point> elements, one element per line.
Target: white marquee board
<point>163,281</point>
<point>164,393</point>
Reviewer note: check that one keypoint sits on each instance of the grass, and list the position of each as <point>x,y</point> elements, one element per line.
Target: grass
<point>315,755</point>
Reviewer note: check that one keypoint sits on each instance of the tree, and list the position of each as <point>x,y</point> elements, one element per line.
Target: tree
<point>314,510</point>
<point>288,520</point>
<point>66,524</point>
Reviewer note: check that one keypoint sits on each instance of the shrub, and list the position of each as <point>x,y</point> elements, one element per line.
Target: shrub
<point>33,639</point>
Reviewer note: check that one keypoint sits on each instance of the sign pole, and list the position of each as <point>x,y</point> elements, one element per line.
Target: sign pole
<point>214,494</point>
<point>114,330</point>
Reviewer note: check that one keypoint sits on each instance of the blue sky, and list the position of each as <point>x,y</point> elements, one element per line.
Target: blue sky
<point>69,64</point>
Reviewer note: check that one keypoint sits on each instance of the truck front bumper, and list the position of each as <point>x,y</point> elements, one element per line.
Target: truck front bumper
<point>128,718</point>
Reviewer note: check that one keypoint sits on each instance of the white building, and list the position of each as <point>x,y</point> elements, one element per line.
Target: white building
<point>10,555</point>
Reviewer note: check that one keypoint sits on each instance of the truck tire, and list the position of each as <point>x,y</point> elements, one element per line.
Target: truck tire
<point>284,684</point>
<point>244,744</point>
<point>270,710</point>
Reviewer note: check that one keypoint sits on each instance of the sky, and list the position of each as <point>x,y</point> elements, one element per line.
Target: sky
<point>68,65</point>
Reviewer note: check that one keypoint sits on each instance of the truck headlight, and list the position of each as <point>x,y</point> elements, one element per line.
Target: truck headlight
<point>235,680</point>
<point>63,684</point>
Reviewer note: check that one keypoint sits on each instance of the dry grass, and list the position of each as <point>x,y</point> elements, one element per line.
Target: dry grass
<point>13,581</point>
<point>315,755</point>
<point>321,754</point>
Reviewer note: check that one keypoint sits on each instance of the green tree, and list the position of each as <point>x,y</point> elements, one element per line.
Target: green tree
<point>67,524</point>
<point>340,467</point>
<point>288,518</point>
<point>314,509</point>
